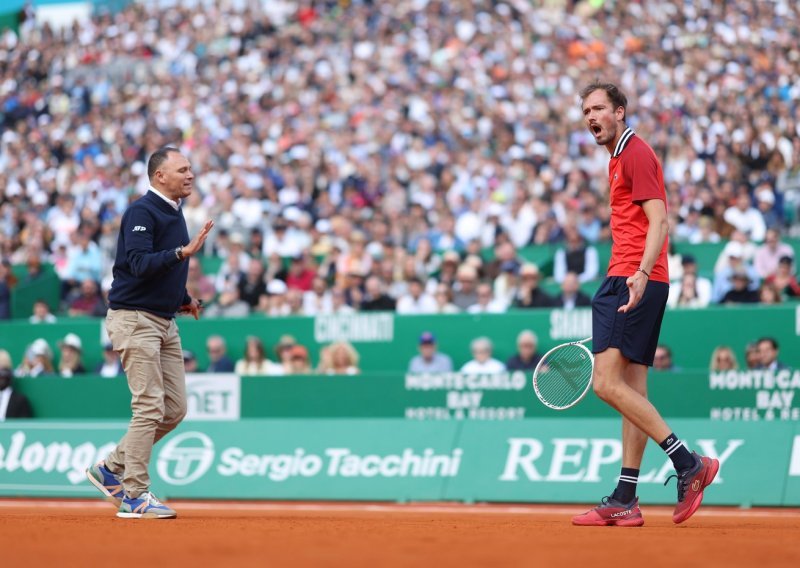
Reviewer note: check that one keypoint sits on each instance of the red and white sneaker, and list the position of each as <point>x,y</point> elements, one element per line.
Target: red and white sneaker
<point>691,484</point>
<point>611,513</point>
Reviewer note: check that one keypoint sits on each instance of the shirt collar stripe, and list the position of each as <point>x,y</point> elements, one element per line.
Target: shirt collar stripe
<point>623,141</point>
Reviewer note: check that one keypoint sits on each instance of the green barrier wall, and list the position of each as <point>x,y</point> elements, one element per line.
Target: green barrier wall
<point>387,342</point>
<point>541,460</point>
<point>736,396</point>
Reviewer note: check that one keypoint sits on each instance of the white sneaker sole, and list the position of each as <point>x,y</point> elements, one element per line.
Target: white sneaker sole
<point>116,501</point>
<point>147,515</point>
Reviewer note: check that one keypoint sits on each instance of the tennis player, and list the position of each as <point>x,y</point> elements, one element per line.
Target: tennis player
<point>627,312</point>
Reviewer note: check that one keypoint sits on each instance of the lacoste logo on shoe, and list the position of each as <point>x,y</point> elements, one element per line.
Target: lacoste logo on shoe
<point>139,228</point>
<point>696,485</point>
<point>622,513</point>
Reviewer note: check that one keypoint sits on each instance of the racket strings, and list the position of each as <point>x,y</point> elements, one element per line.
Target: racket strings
<point>564,375</point>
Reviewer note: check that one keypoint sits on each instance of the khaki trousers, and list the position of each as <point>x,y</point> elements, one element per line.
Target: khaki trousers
<point>151,354</point>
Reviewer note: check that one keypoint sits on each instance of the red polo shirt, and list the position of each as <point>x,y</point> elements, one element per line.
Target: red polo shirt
<point>635,175</point>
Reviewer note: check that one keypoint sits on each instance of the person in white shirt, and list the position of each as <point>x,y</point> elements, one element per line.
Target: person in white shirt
<point>482,360</point>
<point>746,218</point>
<point>416,301</point>
<point>487,303</point>
<point>691,290</point>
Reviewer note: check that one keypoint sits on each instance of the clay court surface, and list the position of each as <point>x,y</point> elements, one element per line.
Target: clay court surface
<point>86,533</point>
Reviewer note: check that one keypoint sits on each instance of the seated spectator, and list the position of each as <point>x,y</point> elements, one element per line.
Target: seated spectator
<point>282,349</point>
<point>690,290</point>
<point>784,279</point>
<point>723,359</point>
<point>571,295</point>
<point>769,294</point>
<point>70,363</point>
<point>723,278</point>
<point>189,362</point>
<point>575,256</point>
<point>752,357</point>
<point>41,313</point>
<point>110,366</point>
<point>662,361</point>
<point>487,303</point>
<point>465,287</point>
<point>375,298</point>
<point>90,302</point>
<point>275,301</point>
<point>505,286</point>
<point>339,303</point>
<point>529,294</point>
<point>444,300</point>
<point>768,351</point>
<point>746,218</point>
<point>300,275</point>
<point>252,287</point>
<point>416,301</point>
<point>705,231</point>
<point>17,405</point>
<point>228,305</point>
<point>741,292</point>
<point>319,299</point>
<point>299,363</point>
<point>339,358</point>
<point>770,254</point>
<point>429,360</point>
<point>255,360</point>
<point>7,282</point>
<point>526,358</point>
<point>218,360</point>
<point>482,360</point>
<point>198,284</point>
<point>765,203</point>
<point>294,302</point>
<point>84,262</point>
<point>38,360</point>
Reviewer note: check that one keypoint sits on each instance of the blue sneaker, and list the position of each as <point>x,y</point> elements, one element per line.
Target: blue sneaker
<point>109,484</point>
<point>145,506</point>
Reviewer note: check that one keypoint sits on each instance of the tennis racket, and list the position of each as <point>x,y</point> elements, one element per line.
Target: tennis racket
<point>563,376</point>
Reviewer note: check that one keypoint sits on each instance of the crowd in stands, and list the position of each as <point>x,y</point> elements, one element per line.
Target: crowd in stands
<point>364,155</point>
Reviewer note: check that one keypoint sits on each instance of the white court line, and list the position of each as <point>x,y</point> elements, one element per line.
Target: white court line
<point>456,509</point>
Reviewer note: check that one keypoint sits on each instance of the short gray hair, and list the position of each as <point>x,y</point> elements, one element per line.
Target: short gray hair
<point>479,342</point>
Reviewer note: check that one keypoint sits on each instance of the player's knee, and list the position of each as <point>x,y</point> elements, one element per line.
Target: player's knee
<point>604,388</point>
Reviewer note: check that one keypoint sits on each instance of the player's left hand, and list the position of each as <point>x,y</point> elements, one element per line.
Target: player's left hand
<point>192,308</point>
<point>636,285</point>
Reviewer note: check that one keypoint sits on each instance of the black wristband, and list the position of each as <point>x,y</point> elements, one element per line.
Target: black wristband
<point>640,269</point>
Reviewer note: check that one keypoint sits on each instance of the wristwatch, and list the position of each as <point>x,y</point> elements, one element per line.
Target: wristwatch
<point>179,253</point>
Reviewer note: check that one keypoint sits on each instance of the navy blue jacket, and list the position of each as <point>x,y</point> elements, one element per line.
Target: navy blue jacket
<point>147,274</point>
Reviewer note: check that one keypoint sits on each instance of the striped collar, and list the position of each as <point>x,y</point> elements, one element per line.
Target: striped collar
<point>623,141</point>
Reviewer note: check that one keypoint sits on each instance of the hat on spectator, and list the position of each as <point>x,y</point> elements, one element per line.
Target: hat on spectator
<point>740,274</point>
<point>734,249</point>
<point>766,196</point>
<point>285,341</point>
<point>71,340</point>
<point>427,338</point>
<point>40,348</point>
<point>188,355</point>
<point>529,269</point>
<point>236,239</point>
<point>276,287</point>
<point>451,256</point>
<point>298,352</point>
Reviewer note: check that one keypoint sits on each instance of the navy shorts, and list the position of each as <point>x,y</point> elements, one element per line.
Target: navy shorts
<point>634,333</point>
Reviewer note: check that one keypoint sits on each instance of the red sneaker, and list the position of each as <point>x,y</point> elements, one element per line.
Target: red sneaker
<point>691,484</point>
<point>611,513</point>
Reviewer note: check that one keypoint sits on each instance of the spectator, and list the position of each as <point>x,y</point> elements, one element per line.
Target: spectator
<point>429,360</point>
<point>416,301</point>
<point>487,303</point>
<point>339,303</point>
<point>339,358</point>
<point>575,256</point>
<point>90,303</point>
<point>283,349</point>
<point>765,202</point>
<point>84,262</point>
<point>784,280</point>
<point>526,358</point>
<point>691,290</point>
<point>768,354</point>
<point>465,288</point>
<point>752,356</point>
<point>530,295</point>
<point>319,299</point>
<point>218,360</point>
<point>12,404</point>
<point>482,361</point>
<point>723,279</point>
<point>444,300</point>
<point>110,366</point>
<point>189,361</point>
<point>300,275</point>
<point>41,313</point>
<point>255,360</point>
<point>70,363</point>
<point>198,285</point>
<point>571,296</point>
<point>769,294</point>
<point>770,253</point>
<point>375,298</point>
<point>746,218</point>
<point>506,285</point>
<point>723,359</point>
<point>228,305</point>
<point>299,363</point>
<point>7,283</point>
<point>38,360</point>
<point>740,293</point>
<point>663,359</point>
<point>252,287</point>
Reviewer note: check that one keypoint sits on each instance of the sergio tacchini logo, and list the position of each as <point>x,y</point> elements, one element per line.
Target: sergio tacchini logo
<point>185,458</point>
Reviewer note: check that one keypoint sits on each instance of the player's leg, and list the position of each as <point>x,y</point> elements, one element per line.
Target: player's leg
<point>634,440</point>
<point>174,374</point>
